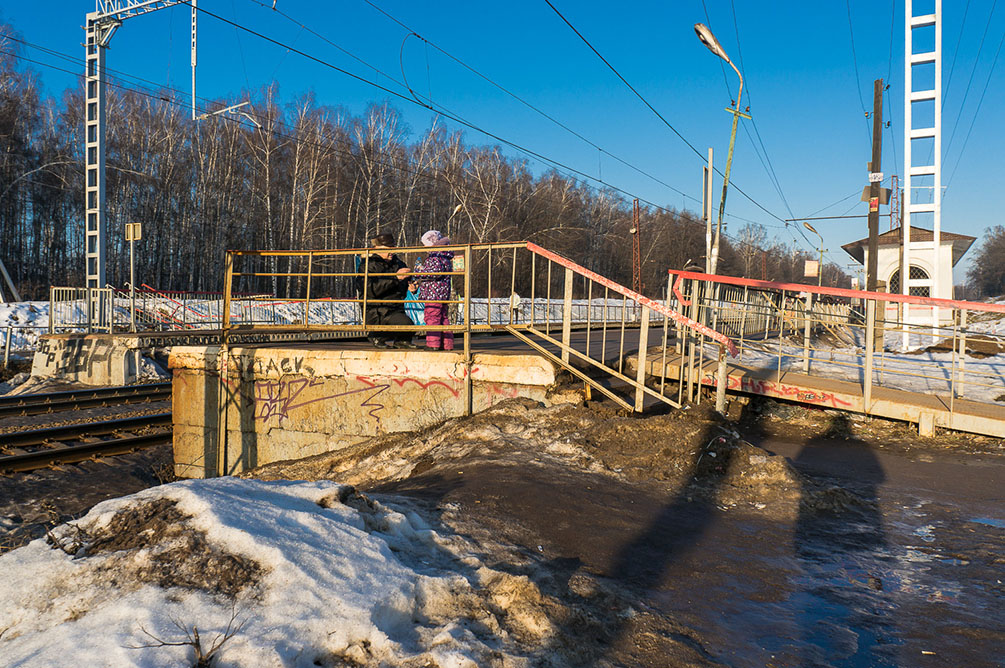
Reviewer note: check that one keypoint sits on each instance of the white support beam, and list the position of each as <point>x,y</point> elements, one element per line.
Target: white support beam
<point>915,202</point>
<point>100,25</point>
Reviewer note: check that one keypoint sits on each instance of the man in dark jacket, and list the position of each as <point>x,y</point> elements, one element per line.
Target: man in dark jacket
<point>393,284</point>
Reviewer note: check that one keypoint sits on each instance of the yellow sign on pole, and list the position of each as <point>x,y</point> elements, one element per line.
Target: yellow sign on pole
<point>134,231</point>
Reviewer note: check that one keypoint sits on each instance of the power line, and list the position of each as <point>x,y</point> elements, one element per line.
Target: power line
<point>346,153</point>
<point>854,60</point>
<point>889,72</point>
<point>770,168</point>
<point>651,108</point>
<point>970,81</point>
<point>977,111</point>
<point>956,52</point>
<point>414,100</point>
<point>857,193</point>
<point>523,101</point>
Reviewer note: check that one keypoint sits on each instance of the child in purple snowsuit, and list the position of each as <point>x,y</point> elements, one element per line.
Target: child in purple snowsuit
<point>436,287</point>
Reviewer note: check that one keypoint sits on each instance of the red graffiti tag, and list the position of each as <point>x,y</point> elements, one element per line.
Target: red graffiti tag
<point>767,387</point>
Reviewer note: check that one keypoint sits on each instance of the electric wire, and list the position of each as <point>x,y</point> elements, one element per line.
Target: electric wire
<point>956,52</point>
<point>976,113</point>
<point>858,78</point>
<point>240,47</point>
<point>439,109</point>
<point>181,104</point>
<point>765,160</point>
<point>757,151</point>
<point>889,73</point>
<point>524,102</point>
<point>658,115</point>
<point>771,168</point>
<point>970,81</point>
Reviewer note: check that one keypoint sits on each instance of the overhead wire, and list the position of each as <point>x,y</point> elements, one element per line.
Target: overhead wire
<point>525,102</point>
<point>956,52</point>
<point>976,112</point>
<point>858,78</point>
<point>439,109</point>
<point>889,73</point>
<point>766,160</point>
<point>653,109</point>
<point>771,168</point>
<point>757,151</point>
<point>181,104</point>
<point>970,81</point>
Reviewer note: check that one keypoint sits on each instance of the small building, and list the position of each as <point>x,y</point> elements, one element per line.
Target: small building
<point>952,247</point>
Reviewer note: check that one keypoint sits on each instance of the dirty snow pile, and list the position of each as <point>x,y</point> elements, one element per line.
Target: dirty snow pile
<point>251,573</point>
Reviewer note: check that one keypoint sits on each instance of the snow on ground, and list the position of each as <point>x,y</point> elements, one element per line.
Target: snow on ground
<point>27,320</point>
<point>979,379</point>
<point>271,573</point>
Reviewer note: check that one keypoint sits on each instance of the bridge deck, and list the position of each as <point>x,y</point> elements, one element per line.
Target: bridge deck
<point>927,410</point>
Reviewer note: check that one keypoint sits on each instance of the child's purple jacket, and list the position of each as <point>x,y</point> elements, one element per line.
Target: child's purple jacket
<point>435,287</point>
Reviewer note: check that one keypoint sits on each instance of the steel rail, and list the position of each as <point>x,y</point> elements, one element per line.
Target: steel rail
<point>77,453</point>
<point>36,404</point>
<point>64,433</point>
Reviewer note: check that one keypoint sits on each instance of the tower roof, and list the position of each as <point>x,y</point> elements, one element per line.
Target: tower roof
<point>961,242</point>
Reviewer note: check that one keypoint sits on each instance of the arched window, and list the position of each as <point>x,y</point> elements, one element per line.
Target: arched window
<point>916,274</point>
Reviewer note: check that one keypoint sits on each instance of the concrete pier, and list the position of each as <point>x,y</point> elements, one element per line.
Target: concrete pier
<point>89,359</point>
<point>283,402</point>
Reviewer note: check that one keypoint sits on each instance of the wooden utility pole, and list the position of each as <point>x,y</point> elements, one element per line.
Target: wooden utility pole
<point>636,250</point>
<point>875,183</point>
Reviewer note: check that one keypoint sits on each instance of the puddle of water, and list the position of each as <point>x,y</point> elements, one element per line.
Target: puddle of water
<point>990,521</point>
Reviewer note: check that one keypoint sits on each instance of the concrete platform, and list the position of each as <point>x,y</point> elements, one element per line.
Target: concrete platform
<point>287,402</point>
<point>925,410</point>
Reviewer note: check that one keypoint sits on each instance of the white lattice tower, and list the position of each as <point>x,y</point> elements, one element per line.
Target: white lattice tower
<point>916,203</point>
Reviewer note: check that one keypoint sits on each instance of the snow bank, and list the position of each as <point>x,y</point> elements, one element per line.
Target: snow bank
<point>27,320</point>
<point>275,573</point>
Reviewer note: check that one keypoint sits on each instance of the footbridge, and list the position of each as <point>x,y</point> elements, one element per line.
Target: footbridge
<point>285,371</point>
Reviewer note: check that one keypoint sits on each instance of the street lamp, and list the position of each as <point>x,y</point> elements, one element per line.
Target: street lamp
<point>820,267</point>
<point>451,217</point>
<point>709,40</point>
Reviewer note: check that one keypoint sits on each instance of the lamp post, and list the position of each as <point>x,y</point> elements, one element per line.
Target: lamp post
<point>451,217</point>
<point>709,40</point>
<point>820,267</point>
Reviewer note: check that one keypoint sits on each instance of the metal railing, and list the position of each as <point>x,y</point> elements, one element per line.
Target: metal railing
<point>117,309</point>
<point>81,310</point>
<point>535,294</point>
<point>19,339</point>
<point>873,339</point>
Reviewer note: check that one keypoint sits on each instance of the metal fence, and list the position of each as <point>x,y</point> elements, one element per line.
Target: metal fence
<point>19,340</point>
<point>871,338</point>
<point>535,294</point>
<point>81,310</point>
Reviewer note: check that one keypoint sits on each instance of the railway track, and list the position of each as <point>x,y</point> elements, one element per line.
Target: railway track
<point>53,402</point>
<point>39,448</point>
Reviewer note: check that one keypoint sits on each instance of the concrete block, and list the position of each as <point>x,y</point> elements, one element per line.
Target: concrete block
<point>91,359</point>
<point>926,424</point>
<point>288,403</point>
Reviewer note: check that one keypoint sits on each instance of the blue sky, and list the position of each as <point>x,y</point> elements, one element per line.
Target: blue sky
<point>801,84</point>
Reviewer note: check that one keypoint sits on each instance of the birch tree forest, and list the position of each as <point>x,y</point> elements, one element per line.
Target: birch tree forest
<point>296,174</point>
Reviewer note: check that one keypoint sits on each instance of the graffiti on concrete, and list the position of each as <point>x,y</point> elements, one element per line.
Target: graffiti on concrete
<point>75,355</point>
<point>277,398</point>
<point>780,390</point>
<point>400,382</point>
<point>264,367</point>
